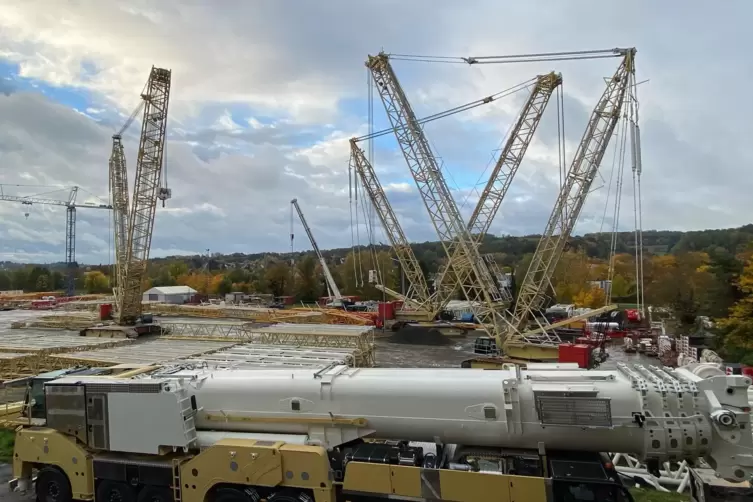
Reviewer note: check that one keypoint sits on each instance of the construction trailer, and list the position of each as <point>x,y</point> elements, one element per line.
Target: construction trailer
<point>348,434</point>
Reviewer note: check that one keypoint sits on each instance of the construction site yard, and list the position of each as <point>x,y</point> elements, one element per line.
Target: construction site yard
<point>26,350</point>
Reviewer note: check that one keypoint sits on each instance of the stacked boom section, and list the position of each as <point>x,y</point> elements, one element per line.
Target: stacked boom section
<point>146,192</point>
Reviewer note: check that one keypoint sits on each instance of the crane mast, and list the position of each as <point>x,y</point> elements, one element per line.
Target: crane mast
<point>331,285</point>
<point>418,289</point>
<point>507,166</point>
<point>146,191</point>
<point>457,242</point>
<point>573,194</point>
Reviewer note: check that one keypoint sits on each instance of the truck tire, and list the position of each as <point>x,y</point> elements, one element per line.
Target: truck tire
<point>155,494</point>
<point>53,486</point>
<point>113,491</point>
<point>233,494</point>
<point>288,495</point>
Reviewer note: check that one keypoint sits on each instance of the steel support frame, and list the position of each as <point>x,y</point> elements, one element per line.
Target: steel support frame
<point>120,199</point>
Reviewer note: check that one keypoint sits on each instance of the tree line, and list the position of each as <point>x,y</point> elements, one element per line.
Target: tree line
<point>704,273</point>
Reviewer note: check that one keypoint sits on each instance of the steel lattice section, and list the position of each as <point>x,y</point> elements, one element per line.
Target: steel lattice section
<point>144,203</point>
<point>418,288</point>
<point>457,242</point>
<point>119,192</point>
<point>508,163</point>
<point>573,194</point>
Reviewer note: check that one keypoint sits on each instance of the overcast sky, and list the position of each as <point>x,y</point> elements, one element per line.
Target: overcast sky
<point>266,93</point>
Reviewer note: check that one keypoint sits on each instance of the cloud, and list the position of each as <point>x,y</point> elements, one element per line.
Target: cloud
<point>263,103</point>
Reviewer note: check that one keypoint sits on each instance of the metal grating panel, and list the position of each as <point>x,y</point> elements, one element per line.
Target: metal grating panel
<point>575,410</point>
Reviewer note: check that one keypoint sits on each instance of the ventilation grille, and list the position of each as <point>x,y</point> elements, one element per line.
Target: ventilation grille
<point>130,388</point>
<point>577,411</point>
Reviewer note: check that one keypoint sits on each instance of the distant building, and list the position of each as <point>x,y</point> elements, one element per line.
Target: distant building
<point>169,294</point>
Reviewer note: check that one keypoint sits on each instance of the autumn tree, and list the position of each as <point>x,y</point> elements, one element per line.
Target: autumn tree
<point>684,283</point>
<point>96,282</point>
<point>278,278</point>
<point>592,297</point>
<point>225,286</point>
<point>737,328</point>
<point>43,283</point>
<point>308,280</point>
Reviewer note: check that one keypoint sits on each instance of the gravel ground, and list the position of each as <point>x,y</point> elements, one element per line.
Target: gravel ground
<point>6,495</point>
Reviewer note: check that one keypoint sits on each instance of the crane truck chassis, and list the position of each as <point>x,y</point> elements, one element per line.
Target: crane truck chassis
<point>344,434</point>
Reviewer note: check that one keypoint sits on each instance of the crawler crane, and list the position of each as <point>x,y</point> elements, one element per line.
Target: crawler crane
<point>486,209</point>
<point>472,275</point>
<point>147,190</point>
<point>516,343</point>
<point>340,434</point>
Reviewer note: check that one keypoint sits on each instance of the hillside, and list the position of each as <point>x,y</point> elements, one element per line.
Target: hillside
<point>509,250</point>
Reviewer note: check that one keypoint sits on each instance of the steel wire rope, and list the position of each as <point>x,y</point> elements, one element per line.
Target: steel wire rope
<point>457,109</point>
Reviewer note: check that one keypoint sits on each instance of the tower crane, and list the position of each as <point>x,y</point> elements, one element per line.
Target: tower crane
<point>70,227</point>
<point>576,186</point>
<point>483,294</point>
<point>147,190</point>
<point>332,288</point>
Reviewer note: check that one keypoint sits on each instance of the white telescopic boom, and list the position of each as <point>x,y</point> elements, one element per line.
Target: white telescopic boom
<point>648,411</point>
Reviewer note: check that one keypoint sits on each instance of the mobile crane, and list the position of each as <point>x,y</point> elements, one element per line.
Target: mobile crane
<point>332,289</point>
<point>346,434</point>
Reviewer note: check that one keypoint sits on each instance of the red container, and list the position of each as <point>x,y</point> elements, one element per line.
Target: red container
<point>575,353</point>
<point>386,310</point>
<point>105,311</point>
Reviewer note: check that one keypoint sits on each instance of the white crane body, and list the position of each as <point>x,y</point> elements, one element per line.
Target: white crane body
<point>657,414</point>
<point>450,404</point>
